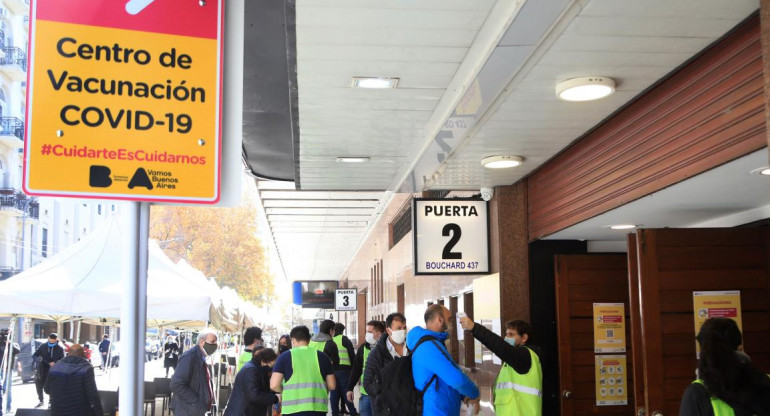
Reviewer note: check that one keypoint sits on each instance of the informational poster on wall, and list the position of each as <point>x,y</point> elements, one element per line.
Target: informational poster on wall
<point>611,380</point>
<point>609,327</point>
<point>716,304</point>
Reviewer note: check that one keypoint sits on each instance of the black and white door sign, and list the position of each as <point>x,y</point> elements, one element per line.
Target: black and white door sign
<point>345,300</point>
<point>451,236</point>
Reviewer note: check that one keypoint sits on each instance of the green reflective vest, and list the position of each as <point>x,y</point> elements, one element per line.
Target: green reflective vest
<point>243,359</point>
<point>344,356</point>
<point>318,346</point>
<point>363,368</point>
<point>720,407</point>
<point>519,394</point>
<point>305,391</point>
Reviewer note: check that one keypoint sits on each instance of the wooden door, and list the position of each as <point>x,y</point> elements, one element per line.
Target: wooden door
<point>468,344</point>
<point>672,264</point>
<point>454,343</point>
<point>582,280</point>
<point>361,301</point>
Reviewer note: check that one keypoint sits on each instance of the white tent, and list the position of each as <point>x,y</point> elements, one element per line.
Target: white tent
<point>84,281</point>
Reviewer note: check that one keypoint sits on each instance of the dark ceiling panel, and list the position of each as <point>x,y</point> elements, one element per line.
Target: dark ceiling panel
<point>270,113</point>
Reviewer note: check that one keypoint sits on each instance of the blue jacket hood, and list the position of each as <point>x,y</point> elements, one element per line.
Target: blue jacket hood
<point>443,396</point>
<point>418,332</point>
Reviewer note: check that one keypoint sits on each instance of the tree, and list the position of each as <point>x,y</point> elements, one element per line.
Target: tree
<point>221,242</point>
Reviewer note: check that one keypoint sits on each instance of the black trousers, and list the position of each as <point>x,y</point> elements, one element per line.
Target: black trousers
<point>39,383</point>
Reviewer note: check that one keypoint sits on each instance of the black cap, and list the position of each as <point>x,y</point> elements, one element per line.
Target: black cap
<point>54,335</point>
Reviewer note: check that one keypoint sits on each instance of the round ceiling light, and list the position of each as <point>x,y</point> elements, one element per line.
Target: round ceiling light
<point>585,88</point>
<point>502,162</point>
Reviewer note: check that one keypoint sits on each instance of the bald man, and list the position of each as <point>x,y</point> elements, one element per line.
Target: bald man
<point>72,386</point>
<point>444,384</point>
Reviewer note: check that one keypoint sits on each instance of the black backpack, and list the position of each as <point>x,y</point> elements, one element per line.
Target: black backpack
<point>398,395</point>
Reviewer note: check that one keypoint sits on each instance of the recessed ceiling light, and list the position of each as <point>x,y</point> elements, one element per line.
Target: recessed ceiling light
<point>623,226</point>
<point>345,159</point>
<point>501,162</point>
<point>764,170</point>
<point>374,82</point>
<point>585,88</point>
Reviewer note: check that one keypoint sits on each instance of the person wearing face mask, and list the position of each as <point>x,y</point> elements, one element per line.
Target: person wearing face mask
<point>49,354</point>
<point>191,382</point>
<point>383,353</point>
<point>284,344</point>
<point>374,330</point>
<point>170,354</point>
<point>251,395</point>
<point>431,363</point>
<point>519,385</point>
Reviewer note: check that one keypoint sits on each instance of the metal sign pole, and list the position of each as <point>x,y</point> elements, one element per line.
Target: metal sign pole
<point>8,366</point>
<point>133,310</point>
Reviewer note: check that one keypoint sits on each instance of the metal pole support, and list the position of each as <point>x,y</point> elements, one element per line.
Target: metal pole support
<point>133,307</point>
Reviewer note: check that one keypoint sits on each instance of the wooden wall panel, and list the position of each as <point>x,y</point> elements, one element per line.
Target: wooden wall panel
<point>709,112</point>
<point>667,288</point>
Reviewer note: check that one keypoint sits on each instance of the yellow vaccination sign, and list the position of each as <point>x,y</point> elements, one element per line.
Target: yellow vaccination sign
<point>126,105</point>
<point>716,304</point>
<point>611,380</point>
<point>609,327</point>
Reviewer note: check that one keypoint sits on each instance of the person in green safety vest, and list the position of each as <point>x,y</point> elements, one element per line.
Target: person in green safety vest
<point>346,351</point>
<point>324,341</point>
<point>727,383</point>
<point>303,375</point>
<point>518,389</point>
<point>374,330</point>
<point>252,341</point>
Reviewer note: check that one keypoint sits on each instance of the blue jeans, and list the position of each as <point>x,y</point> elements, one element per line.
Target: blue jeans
<point>365,406</point>
<point>334,395</point>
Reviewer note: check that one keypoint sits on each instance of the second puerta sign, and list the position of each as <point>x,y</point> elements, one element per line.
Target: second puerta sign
<point>124,100</point>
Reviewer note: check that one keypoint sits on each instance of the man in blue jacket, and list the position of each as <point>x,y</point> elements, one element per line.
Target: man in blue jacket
<point>72,386</point>
<point>104,350</point>
<point>431,363</point>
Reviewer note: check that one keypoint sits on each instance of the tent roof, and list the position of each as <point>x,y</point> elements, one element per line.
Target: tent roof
<point>85,280</point>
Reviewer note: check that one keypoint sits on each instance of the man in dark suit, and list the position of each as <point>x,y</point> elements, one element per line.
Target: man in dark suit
<point>191,382</point>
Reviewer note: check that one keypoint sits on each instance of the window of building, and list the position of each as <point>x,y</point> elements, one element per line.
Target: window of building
<point>44,251</point>
<point>377,284</point>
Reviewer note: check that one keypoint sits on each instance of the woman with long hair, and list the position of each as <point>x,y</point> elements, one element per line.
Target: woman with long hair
<point>284,344</point>
<point>251,395</point>
<point>728,384</point>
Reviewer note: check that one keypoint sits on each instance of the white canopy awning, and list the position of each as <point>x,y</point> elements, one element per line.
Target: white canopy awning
<point>84,281</point>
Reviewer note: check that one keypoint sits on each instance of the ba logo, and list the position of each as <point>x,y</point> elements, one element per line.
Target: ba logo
<point>100,177</point>
<point>140,178</point>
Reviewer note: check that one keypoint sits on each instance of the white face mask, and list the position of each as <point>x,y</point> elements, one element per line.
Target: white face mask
<point>370,338</point>
<point>398,337</point>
